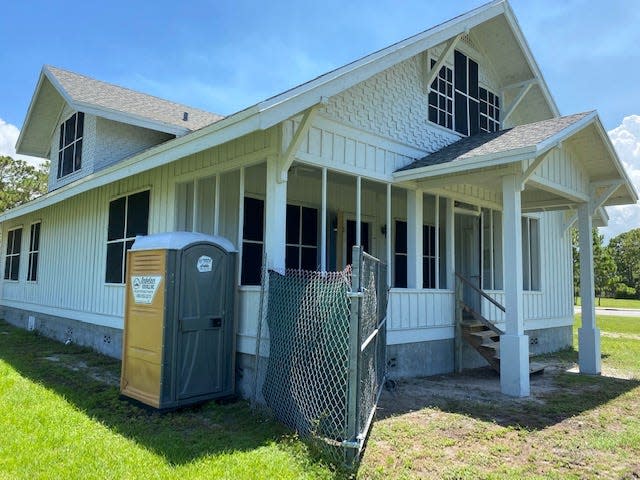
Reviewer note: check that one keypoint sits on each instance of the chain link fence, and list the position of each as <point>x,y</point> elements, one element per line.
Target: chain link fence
<point>322,370</point>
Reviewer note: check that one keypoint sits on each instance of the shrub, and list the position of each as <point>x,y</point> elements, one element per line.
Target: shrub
<point>624,291</point>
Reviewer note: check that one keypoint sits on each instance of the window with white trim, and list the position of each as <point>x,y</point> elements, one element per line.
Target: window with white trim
<point>489,111</point>
<point>491,249</point>
<point>128,217</point>
<point>70,145</point>
<point>302,238</point>
<point>252,241</point>
<point>12,258</point>
<point>34,252</point>
<point>441,97</point>
<point>457,102</point>
<point>530,253</point>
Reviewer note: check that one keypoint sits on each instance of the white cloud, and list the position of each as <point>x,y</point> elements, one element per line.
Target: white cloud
<point>626,140</point>
<point>8,138</point>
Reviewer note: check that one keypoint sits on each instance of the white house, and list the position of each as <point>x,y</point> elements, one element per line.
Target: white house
<point>441,154</point>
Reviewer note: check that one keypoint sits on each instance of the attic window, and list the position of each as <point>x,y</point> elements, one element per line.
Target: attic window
<point>70,146</point>
<point>457,102</point>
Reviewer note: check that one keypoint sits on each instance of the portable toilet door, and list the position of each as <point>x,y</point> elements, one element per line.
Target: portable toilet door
<point>205,322</point>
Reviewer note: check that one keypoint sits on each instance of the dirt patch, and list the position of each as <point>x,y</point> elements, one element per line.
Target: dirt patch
<point>96,373</point>
<point>479,385</point>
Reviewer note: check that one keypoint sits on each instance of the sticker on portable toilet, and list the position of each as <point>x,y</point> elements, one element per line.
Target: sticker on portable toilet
<point>144,287</point>
<point>205,264</point>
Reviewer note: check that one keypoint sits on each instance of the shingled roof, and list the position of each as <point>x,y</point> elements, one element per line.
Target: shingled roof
<point>86,90</point>
<point>497,143</point>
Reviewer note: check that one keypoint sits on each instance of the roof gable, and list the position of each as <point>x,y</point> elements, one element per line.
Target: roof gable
<point>57,87</point>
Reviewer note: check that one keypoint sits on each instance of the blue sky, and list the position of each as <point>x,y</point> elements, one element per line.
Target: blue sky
<point>224,55</point>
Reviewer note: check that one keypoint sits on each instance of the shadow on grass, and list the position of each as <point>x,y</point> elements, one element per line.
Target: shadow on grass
<point>180,436</point>
<point>557,395</point>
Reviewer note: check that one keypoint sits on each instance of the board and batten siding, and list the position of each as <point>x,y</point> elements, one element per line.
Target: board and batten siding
<point>72,257</point>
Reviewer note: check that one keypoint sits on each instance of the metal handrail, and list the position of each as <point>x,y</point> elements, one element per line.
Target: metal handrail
<point>482,293</point>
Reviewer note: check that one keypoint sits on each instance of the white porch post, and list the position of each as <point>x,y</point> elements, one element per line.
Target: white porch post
<point>514,344</point>
<point>275,208</point>
<point>414,238</point>
<point>358,210</point>
<point>388,237</point>
<point>451,244</point>
<point>323,223</point>
<point>588,335</point>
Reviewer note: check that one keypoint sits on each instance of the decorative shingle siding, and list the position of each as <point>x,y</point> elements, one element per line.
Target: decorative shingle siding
<point>392,104</point>
<point>116,141</point>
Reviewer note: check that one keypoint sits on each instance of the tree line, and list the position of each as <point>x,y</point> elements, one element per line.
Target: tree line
<point>20,182</point>
<point>616,266</point>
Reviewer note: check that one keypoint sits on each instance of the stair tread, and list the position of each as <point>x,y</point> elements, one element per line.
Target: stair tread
<point>491,345</point>
<point>484,333</point>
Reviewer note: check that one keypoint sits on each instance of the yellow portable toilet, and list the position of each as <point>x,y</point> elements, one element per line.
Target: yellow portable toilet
<point>179,327</point>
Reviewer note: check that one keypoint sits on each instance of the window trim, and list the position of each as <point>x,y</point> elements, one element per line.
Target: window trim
<point>7,255</point>
<point>62,146</point>
<point>299,245</point>
<point>30,252</point>
<point>123,240</point>
<point>481,85</point>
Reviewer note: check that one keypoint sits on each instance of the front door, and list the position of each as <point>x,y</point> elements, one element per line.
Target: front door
<point>467,255</point>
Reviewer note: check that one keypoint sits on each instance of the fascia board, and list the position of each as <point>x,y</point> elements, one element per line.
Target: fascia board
<point>128,118</point>
<point>344,77</point>
<point>472,163</point>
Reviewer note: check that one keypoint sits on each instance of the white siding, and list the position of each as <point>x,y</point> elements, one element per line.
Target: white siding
<point>563,171</point>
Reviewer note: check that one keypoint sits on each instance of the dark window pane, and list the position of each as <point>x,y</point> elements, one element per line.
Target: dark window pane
<point>127,247</point>
<point>496,114</point>
<point>251,263</point>
<point>69,130</point>
<point>61,142</point>
<point>34,243</point>
<point>351,240</point>
<point>442,102</point>
<point>433,98</point>
<point>309,226</point>
<point>491,112</point>
<point>441,86</point>
<point>449,106</point>
<point>253,226</point>
<point>428,273</point>
<point>15,267</point>
<point>364,234</point>
<point>433,115</point>
<point>400,272</point>
<point>7,269</point>
<point>460,71</point>
<point>449,90</point>
<point>17,240</point>
<point>442,118</point>
<point>450,121</point>
<point>80,125</point>
<point>473,79</point>
<point>33,267</point>
<point>401,236</point>
<point>59,164</point>
<point>114,262</point>
<point>138,214</point>
<point>293,224</point>
<point>433,62</point>
<point>483,93</point>
<point>116,219</point>
<point>483,107</point>
<point>77,158</point>
<point>461,114</point>
<point>292,259</point>
<point>449,75</point>
<point>490,98</point>
<point>483,123</point>
<point>443,72</point>
<point>434,85</point>
<point>497,102</point>
<point>67,161</point>
<point>473,117</point>
<point>309,258</point>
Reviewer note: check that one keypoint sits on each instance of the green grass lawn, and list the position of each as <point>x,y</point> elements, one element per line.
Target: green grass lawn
<point>615,303</point>
<point>59,419</point>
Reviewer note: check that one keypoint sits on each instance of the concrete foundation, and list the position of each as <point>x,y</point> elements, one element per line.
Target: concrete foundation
<point>105,340</point>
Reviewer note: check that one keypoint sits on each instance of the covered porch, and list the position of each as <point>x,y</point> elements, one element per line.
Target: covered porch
<point>565,166</point>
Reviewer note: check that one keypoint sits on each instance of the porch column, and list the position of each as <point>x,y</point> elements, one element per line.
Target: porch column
<point>450,232</point>
<point>388,235</point>
<point>414,238</point>
<point>514,344</point>
<point>588,335</point>
<point>275,208</point>
<point>323,223</point>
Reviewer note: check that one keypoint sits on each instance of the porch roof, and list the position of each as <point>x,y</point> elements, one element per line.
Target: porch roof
<point>583,131</point>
